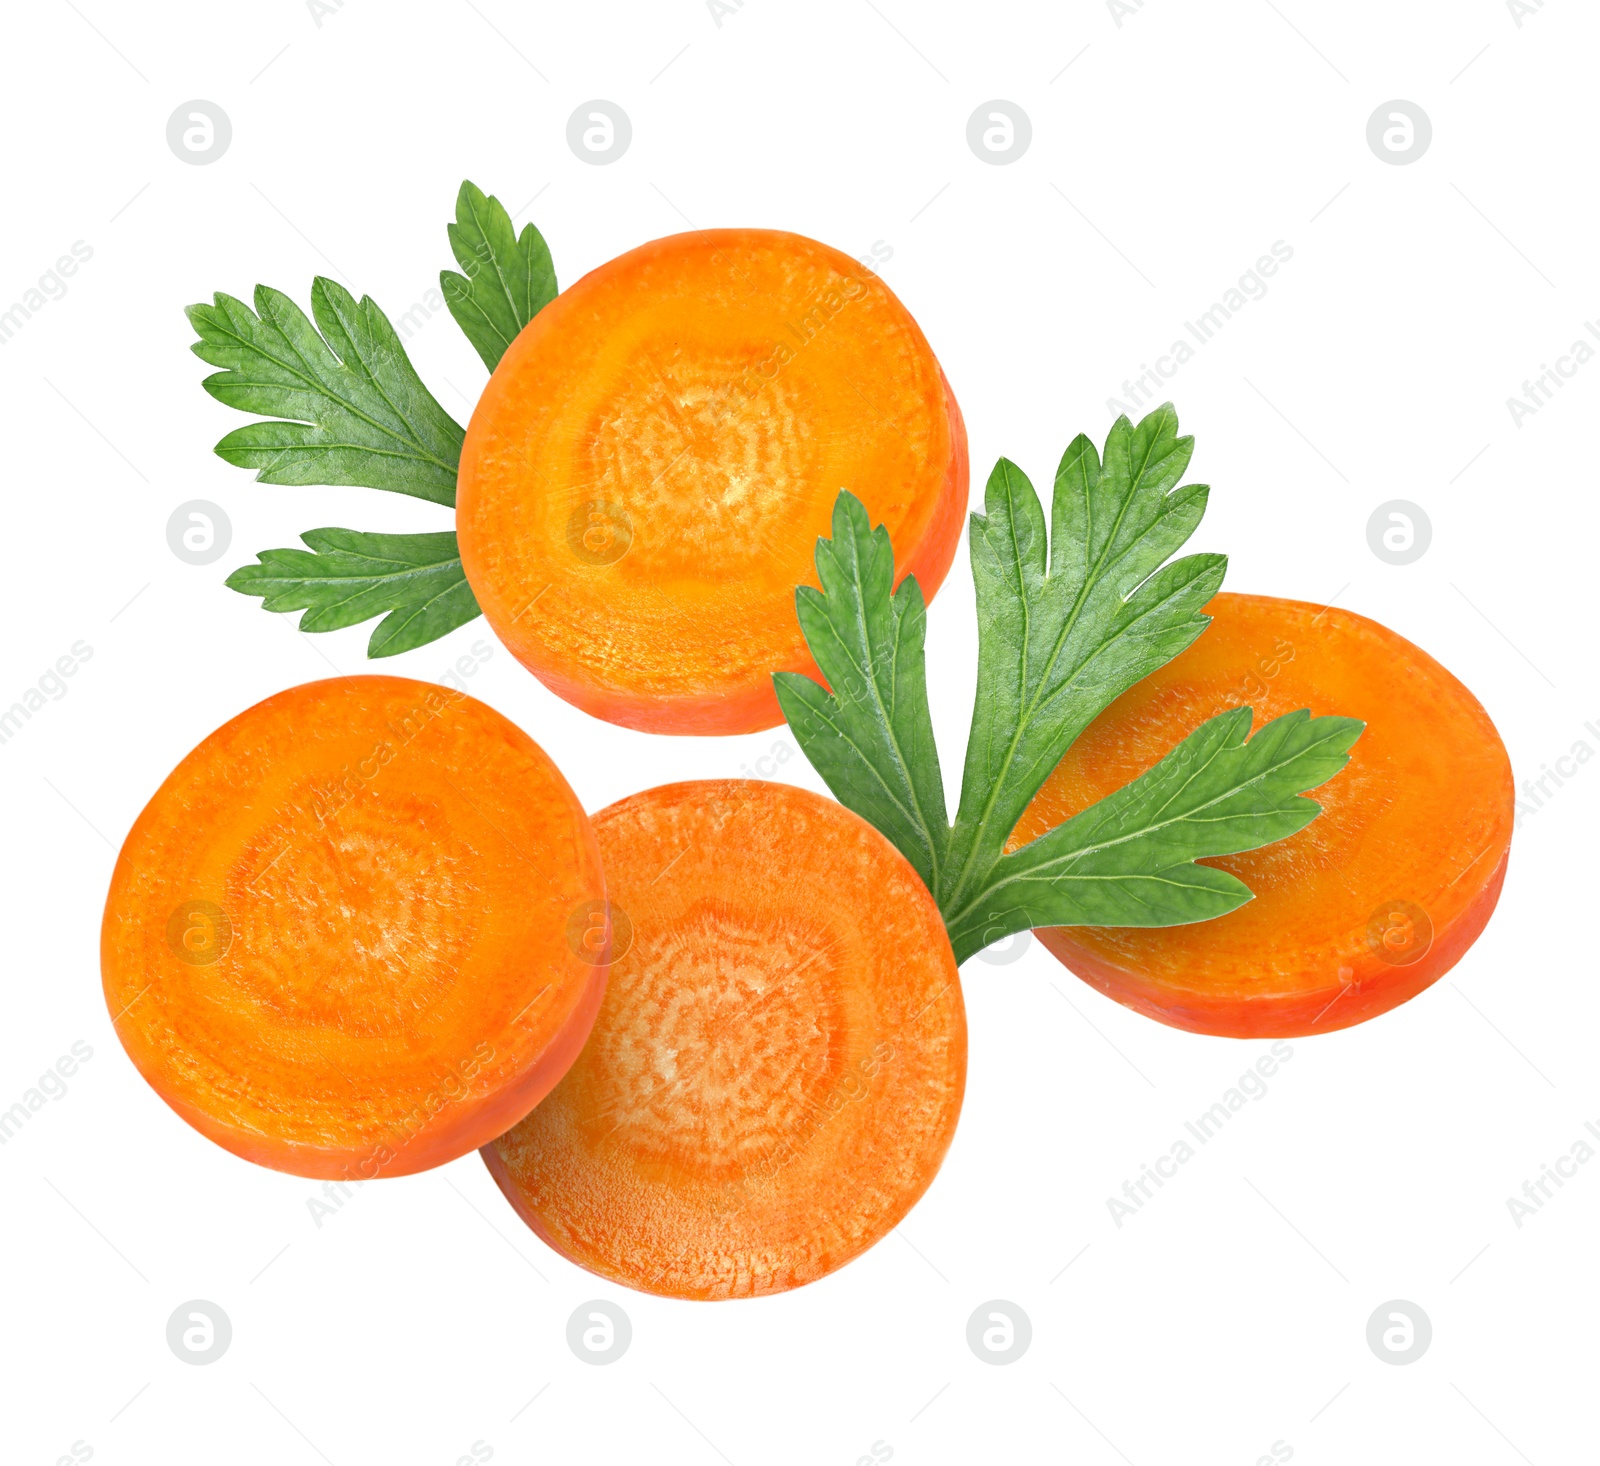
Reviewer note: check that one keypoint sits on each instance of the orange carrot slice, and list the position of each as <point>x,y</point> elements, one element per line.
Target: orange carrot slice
<point>1371,902</point>
<point>645,477</point>
<point>778,1065</point>
<point>345,938</point>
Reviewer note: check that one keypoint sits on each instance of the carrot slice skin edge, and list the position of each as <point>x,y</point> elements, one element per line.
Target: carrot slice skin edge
<point>644,478</point>
<point>1369,904</point>
<point>337,938</point>
<point>777,1071</point>
<point>1374,991</point>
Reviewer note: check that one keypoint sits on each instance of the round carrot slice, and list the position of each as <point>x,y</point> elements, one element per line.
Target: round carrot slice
<point>647,473</point>
<point>346,937</point>
<point>1374,900</point>
<point>778,1065</point>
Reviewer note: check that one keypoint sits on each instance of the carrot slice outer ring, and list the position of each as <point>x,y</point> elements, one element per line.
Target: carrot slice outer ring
<point>1369,904</point>
<point>338,939</point>
<point>778,1066</point>
<point>647,473</point>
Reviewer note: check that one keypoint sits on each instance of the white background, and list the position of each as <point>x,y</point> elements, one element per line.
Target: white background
<point>1168,153</point>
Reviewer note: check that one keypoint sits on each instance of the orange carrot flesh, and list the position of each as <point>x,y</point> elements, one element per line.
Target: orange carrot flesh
<point>646,475</point>
<point>779,1062</point>
<point>1371,902</point>
<point>337,940</point>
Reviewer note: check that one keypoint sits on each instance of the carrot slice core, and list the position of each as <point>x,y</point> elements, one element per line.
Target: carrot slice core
<point>646,475</point>
<point>1371,902</point>
<point>337,938</point>
<point>779,1062</point>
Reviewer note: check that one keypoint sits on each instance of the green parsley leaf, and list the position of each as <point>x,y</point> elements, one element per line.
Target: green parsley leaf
<point>872,733</point>
<point>1128,860</point>
<point>1056,645</point>
<point>1064,628</point>
<point>508,280</point>
<point>349,407</point>
<point>348,577</point>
